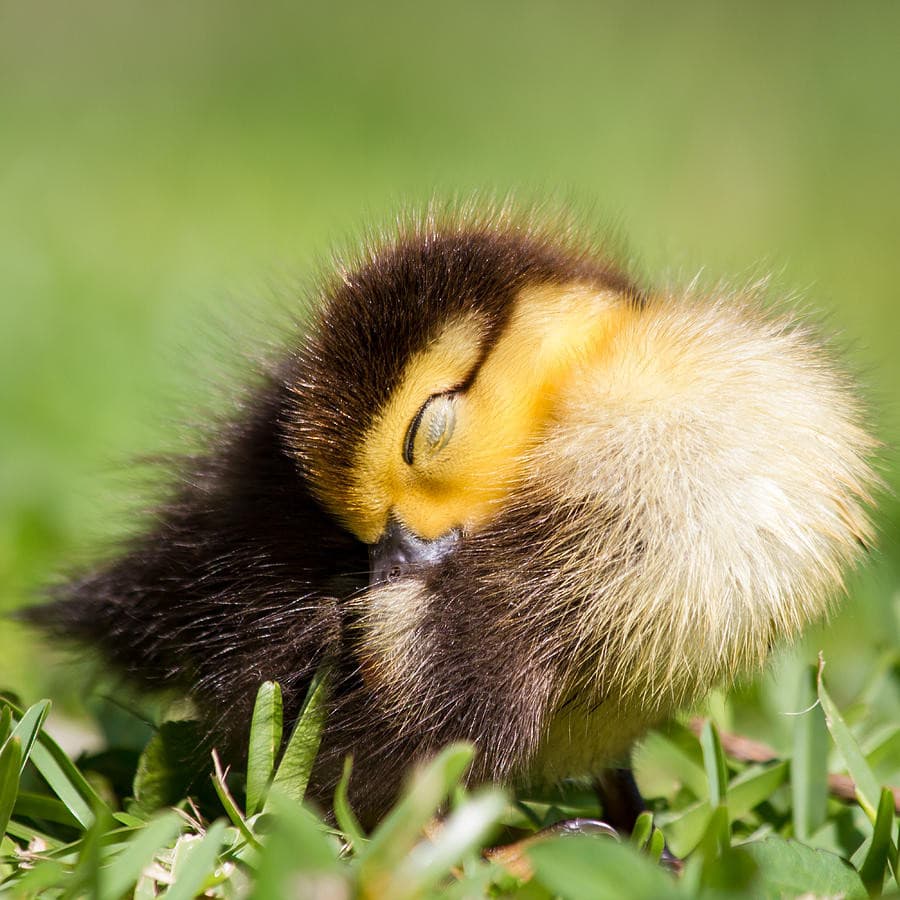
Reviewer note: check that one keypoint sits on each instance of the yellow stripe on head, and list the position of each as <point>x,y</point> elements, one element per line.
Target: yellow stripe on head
<point>380,475</point>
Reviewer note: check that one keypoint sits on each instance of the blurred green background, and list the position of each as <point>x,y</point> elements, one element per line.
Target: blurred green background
<point>164,164</point>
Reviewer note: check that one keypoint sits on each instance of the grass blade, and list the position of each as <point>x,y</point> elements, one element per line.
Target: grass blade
<point>265,740</point>
<point>685,828</point>
<point>809,763</point>
<point>296,765</point>
<point>868,791</point>
<point>62,775</point>
<point>10,769</point>
<point>401,829</point>
<point>137,854</point>
<point>65,781</point>
<point>343,813</point>
<point>47,874</point>
<point>462,833</point>
<point>196,866</point>
<point>714,763</point>
<point>717,836</point>
<point>40,806</point>
<point>656,845</point>
<point>300,858</point>
<point>881,848</point>
<point>643,829</point>
<point>230,807</point>
<point>28,834</point>
<point>29,726</point>
<point>86,877</point>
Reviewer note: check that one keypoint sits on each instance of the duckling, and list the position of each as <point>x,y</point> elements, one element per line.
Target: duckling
<point>507,495</point>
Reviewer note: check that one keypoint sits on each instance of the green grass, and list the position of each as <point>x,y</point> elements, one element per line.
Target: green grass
<point>737,825</point>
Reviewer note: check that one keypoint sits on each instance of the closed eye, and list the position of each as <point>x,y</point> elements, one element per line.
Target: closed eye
<point>431,428</point>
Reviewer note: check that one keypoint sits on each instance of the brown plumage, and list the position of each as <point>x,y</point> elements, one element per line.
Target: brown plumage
<point>588,504</point>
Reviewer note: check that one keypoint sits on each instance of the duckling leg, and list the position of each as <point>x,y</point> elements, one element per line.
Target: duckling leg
<point>623,803</point>
<point>621,799</point>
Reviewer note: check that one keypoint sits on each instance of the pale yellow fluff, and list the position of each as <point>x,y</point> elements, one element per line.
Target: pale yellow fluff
<point>731,449</point>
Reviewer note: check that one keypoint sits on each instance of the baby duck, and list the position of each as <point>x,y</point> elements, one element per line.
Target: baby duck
<point>507,495</point>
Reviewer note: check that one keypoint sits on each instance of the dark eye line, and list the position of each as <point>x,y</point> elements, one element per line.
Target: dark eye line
<point>411,433</point>
<point>413,429</point>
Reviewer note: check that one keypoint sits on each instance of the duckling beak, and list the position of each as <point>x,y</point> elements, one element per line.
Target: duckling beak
<point>399,552</point>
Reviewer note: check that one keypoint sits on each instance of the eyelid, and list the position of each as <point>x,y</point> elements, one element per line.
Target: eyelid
<point>410,438</point>
<point>413,430</point>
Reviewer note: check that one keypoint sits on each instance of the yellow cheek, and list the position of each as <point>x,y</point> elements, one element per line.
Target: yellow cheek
<point>455,489</point>
<point>552,334</point>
